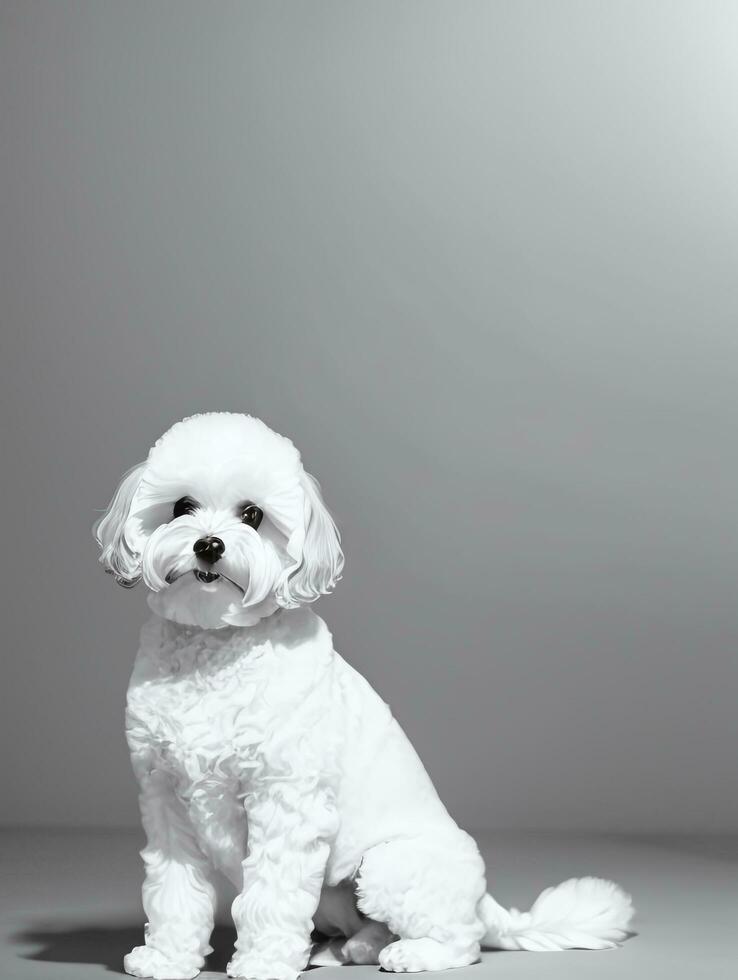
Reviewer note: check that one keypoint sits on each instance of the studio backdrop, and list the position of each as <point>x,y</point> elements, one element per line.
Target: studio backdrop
<point>478,260</point>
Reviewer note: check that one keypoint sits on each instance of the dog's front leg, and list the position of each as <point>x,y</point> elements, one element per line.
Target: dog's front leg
<point>178,896</point>
<point>290,830</point>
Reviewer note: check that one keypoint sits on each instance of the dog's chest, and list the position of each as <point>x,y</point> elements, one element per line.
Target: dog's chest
<point>201,704</point>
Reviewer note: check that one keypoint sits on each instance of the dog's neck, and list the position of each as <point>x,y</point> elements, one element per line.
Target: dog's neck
<point>168,647</point>
<point>292,625</point>
<point>223,635</point>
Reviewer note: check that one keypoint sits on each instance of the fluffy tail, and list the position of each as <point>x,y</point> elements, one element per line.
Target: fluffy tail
<point>581,913</point>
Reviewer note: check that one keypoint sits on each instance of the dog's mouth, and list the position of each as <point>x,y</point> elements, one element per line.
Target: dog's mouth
<point>207,578</point>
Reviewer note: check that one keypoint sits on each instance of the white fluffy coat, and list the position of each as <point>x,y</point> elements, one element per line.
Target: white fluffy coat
<point>261,753</point>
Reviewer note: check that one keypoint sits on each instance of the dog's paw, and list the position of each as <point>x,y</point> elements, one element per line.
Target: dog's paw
<point>364,947</point>
<point>146,961</point>
<point>419,955</point>
<point>246,966</point>
<point>329,953</point>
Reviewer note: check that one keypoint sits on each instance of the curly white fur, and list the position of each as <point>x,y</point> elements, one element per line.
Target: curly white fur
<point>261,753</point>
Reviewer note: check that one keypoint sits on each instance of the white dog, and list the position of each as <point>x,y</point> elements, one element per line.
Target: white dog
<point>261,753</point>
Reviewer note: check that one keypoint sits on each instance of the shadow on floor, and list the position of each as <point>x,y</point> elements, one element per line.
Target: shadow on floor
<point>106,945</point>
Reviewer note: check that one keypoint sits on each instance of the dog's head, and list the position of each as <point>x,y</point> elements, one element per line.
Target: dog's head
<point>222,523</point>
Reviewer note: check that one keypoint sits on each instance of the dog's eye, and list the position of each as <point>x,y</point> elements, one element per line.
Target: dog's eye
<point>251,514</point>
<point>185,505</point>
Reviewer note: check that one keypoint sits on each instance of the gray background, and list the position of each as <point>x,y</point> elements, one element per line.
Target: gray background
<point>479,261</point>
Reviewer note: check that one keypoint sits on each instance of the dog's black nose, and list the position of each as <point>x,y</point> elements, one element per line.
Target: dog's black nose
<point>209,549</point>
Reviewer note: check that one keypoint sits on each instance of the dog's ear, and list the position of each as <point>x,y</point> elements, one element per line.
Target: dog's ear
<point>322,559</point>
<point>109,530</point>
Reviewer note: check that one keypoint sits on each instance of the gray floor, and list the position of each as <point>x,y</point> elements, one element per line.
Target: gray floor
<point>69,905</point>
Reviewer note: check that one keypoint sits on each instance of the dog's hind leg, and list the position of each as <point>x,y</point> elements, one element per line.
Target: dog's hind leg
<point>427,891</point>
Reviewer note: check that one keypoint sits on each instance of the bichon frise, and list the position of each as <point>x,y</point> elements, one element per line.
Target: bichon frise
<point>261,753</point>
